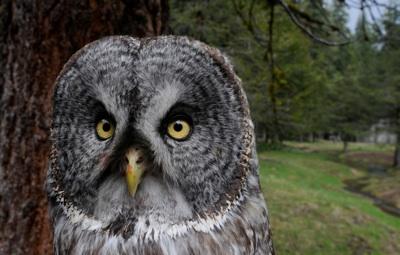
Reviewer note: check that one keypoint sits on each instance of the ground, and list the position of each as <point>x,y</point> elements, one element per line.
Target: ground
<point>311,210</point>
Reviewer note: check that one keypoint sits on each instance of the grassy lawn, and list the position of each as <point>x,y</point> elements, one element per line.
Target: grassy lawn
<point>327,146</point>
<point>310,211</point>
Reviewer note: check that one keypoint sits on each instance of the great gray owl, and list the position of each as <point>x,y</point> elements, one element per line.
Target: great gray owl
<point>154,153</point>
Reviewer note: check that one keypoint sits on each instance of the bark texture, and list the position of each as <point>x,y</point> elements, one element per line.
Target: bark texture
<point>36,39</point>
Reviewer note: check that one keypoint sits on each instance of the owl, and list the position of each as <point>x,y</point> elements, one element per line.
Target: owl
<point>153,152</point>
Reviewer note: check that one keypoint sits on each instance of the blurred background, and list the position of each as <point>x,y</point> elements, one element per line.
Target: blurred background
<point>322,78</point>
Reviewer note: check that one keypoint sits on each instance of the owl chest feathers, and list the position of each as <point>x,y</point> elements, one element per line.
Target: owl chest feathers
<point>240,230</point>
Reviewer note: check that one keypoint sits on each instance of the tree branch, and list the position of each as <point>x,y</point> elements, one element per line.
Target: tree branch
<point>305,30</point>
<point>249,22</point>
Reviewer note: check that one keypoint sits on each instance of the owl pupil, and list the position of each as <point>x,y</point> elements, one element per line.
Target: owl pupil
<point>106,127</point>
<point>178,127</point>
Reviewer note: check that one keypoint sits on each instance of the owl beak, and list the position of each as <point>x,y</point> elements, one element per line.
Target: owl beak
<point>134,169</point>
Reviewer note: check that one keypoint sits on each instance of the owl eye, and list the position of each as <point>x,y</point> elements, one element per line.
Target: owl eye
<point>105,129</point>
<point>179,128</point>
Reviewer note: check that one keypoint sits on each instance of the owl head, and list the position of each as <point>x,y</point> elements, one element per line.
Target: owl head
<point>148,131</point>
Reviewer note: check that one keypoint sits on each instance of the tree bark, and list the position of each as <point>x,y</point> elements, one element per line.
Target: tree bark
<point>36,39</point>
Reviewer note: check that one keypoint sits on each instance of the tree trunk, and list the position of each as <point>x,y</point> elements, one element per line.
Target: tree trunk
<point>396,158</point>
<point>276,138</point>
<point>267,135</point>
<point>36,38</point>
<point>396,162</point>
<point>345,146</point>
<point>345,139</point>
<point>311,137</point>
<point>263,134</point>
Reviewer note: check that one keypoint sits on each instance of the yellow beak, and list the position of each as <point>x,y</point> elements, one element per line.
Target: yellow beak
<point>134,170</point>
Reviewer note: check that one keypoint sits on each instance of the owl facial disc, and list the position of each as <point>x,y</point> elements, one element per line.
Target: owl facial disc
<point>155,129</point>
<point>134,169</point>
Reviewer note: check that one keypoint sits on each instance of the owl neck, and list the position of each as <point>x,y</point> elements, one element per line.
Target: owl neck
<point>205,222</point>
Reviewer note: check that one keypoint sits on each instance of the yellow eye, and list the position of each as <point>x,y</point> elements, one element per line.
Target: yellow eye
<point>179,129</point>
<point>105,129</point>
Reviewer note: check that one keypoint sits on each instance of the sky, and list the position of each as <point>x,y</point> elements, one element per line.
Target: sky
<point>353,17</point>
<point>354,13</point>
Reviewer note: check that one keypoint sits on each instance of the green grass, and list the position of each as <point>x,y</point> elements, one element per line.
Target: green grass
<point>312,213</point>
<point>327,146</point>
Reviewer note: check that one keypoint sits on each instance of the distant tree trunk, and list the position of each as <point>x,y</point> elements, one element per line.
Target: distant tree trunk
<point>267,134</point>
<point>311,137</point>
<point>36,38</point>
<point>276,137</point>
<point>346,139</point>
<point>345,146</point>
<point>263,135</point>
<point>396,161</point>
